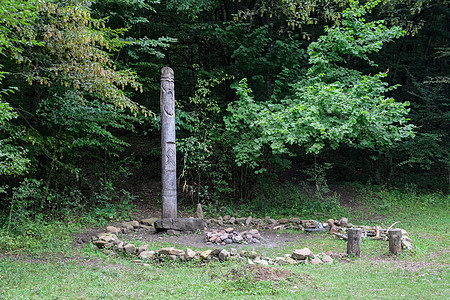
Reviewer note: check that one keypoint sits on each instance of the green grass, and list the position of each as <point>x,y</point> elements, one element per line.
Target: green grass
<point>51,268</point>
<point>362,279</point>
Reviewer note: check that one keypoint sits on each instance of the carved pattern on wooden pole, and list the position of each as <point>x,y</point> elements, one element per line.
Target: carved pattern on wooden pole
<point>168,153</point>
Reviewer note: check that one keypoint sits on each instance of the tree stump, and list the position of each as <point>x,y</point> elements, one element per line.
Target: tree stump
<point>395,241</point>
<point>354,241</point>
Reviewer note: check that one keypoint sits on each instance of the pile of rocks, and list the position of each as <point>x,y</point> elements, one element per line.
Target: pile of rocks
<point>111,245</point>
<point>147,225</point>
<point>229,235</point>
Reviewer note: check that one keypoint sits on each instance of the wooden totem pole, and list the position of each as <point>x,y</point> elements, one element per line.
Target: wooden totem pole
<point>168,153</point>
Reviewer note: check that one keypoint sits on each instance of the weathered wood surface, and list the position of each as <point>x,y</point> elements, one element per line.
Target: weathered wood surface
<point>354,241</point>
<point>168,153</point>
<point>395,241</point>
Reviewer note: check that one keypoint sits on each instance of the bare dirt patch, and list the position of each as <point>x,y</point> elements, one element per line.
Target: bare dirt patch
<point>270,239</point>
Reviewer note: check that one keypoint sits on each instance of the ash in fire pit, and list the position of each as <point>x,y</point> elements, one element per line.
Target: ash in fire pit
<point>229,235</point>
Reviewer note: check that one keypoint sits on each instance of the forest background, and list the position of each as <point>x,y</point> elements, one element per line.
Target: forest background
<point>277,101</point>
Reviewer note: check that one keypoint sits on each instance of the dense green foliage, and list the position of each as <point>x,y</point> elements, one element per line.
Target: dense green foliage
<point>297,91</point>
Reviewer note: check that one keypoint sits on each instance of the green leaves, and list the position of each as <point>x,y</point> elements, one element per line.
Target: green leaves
<point>332,105</point>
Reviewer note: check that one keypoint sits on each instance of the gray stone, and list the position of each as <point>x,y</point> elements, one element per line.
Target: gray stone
<point>241,220</point>
<point>100,244</point>
<point>281,260</point>
<point>220,221</point>
<point>226,218</point>
<point>128,226</point>
<point>302,254</point>
<point>135,224</point>
<point>263,262</point>
<point>205,254</point>
<point>310,223</point>
<point>248,221</point>
<point>169,251</point>
<point>224,255</point>
<point>252,254</point>
<point>130,248</point>
<point>148,228</point>
<point>120,245</point>
<point>291,261</point>
<point>149,221</point>
<point>327,259</point>
<point>233,252</point>
<point>232,220</point>
<point>199,212</point>
<point>316,261</point>
<point>146,254</point>
<point>107,237</point>
<point>180,224</point>
<point>294,220</point>
<point>343,222</point>
<point>112,229</point>
<point>142,248</point>
<point>237,239</point>
<point>190,254</point>
<point>283,221</point>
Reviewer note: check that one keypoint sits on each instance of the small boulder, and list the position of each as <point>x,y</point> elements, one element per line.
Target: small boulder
<point>146,254</point>
<point>237,239</point>
<point>241,220</point>
<point>327,259</point>
<point>343,222</point>
<point>199,212</point>
<point>205,254</point>
<point>283,221</point>
<point>291,261</point>
<point>149,221</point>
<point>302,254</point>
<point>169,251</point>
<point>112,229</point>
<point>316,261</point>
<point>294,220</point>
<point>248,221</point>
<point>310,223</point>
<point>224,255</point>
<point>190,254</point>
<point>281,260</point>
<point>142,248</point>
<point>100,244</point>
<point>127,226</point>
<point>129,248</point>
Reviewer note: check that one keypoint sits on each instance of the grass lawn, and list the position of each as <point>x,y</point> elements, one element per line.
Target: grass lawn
<point>422,273</point>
